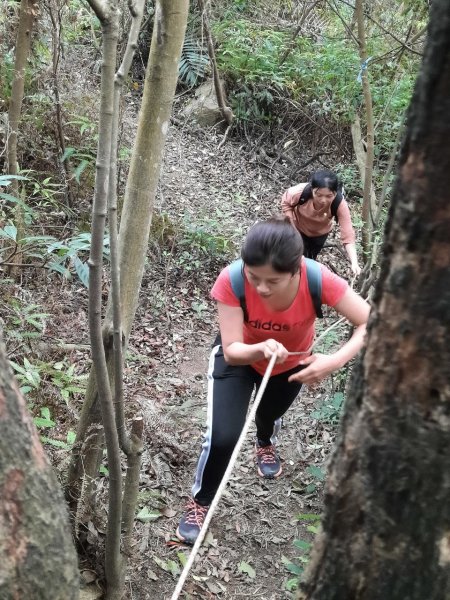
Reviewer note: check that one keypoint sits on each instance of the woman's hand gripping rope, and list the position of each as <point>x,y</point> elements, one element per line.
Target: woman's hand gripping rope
<point>318,366</point>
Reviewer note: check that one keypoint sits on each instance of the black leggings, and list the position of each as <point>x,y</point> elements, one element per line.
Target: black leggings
<point>229,392</point>
<point>313,245</point>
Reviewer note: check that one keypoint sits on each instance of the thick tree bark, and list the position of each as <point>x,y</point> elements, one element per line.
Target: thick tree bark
<point>37,556</point>
<point>386,527</point>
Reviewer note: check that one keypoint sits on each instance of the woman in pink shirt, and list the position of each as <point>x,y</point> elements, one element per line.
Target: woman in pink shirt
<point>311,208</point>
<point>279,318</point>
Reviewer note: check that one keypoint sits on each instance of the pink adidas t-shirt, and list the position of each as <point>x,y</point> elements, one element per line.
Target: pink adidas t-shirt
<point>294,327</point>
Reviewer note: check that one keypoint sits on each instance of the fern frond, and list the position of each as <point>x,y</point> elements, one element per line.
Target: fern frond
<point>194,61</point>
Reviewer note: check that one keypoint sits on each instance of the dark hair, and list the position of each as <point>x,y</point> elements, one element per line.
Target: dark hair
<point>321,179</point>
<point>275,242</point>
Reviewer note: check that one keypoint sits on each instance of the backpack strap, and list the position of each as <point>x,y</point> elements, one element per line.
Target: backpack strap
<point>335,204</point>
<point>302,200</point>
<point>236,270</point>
<point>314,276</point>
<point>313,273</point>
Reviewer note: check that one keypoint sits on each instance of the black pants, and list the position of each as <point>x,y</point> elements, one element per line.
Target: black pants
<point>229,392</point>
<point>313,245</point>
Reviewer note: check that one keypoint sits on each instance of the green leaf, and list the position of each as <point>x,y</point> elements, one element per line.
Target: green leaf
<point>302,545</point>
<point>338,399</point>
<point>293,568</point>
<point>46,239</point>
<point>43,422</point>
<point>316,472</point>
<point>307,517</point>
<point>292,584</point>
<point>10,198</point>
<point>9,232</point>
<point>17,367</point>
<point>54,266</point>
<point>310,488</point>
<point>313,528</point>
<point>6,179</point>
<point>79,170</point>
<point>246,568</point>
<point>45,412</point>
<point>82,271</point>
<point>174,567</point>
<point>145,515</point>
<point>68,152</point>
<point>171,566</point>
<point>55,443</point>
<point>18,201</point>
<point>71,437</point>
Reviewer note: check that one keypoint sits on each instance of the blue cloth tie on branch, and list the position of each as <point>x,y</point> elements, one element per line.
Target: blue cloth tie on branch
<point>363,68</point>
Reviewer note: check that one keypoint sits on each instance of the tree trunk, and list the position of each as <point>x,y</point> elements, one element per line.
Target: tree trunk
<point>361,159</point>
<point>27,14</point>
<point>109,19</point>
<point>225,110</point>
<point>37,556</point>
<point>367,208</point>
<point>386,527</point>
<point>159,89</point>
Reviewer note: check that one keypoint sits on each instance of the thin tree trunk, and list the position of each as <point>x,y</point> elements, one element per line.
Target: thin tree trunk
<point>387,511</point>
<point>109,19</point>
<point>115,297</point>
<point>131,445</point>
<point>225,110</point>
<point>35,538</point>
<point>366,212</point>
<point>131,488</point>
<point>361,157</point>
<point>54,12</point>
<point>27,15</point>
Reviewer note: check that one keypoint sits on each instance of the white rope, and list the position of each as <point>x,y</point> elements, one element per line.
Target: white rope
<point>223,483</point>
<point>320,338</point>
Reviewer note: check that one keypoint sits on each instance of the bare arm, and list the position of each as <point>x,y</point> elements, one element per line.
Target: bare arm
<point>286,206</point>
<point>231,323</point>
<point>353,258</point>
<point>348,235</point>
<point>320,366</point>
<point>290,199</point>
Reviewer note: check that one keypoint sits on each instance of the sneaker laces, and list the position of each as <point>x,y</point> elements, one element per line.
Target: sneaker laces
<point>267,454</point>
<point>195,513</point>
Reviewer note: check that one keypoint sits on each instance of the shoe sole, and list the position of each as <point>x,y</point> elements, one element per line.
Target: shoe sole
<point>274,476</point>
<point>182,539</point>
